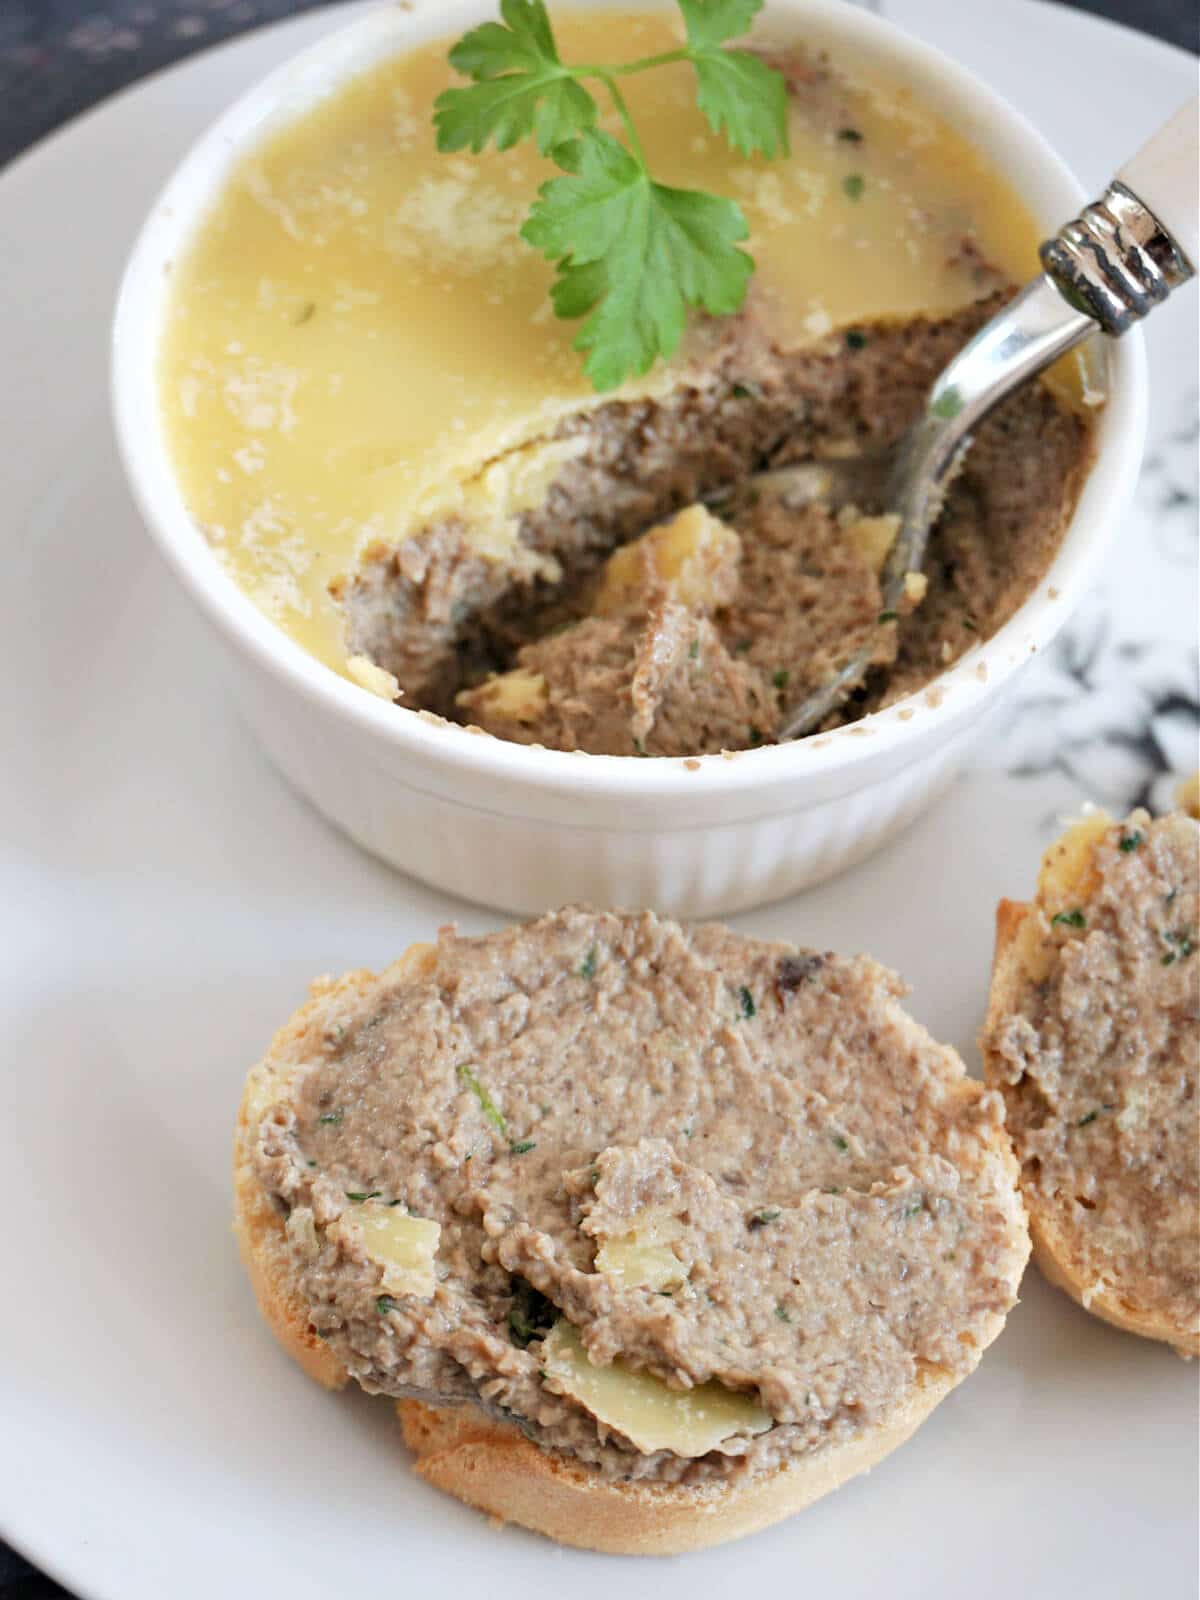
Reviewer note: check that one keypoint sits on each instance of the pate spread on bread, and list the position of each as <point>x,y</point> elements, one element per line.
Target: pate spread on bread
<point>1093,1036</point>
<point>684,1216</point>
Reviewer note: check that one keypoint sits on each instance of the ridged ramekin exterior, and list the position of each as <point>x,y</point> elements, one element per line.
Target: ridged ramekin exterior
<point>450,837</point>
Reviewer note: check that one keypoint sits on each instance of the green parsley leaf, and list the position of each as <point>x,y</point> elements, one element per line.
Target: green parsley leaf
<point>856,339</point>
<point>853,185</point>
<point>520,1328</point>
<point>524,39</point>
<point>588,968</point>
<point>1183,947</point>
<point>1091,1116</point>
<point>1069,919</point>
<point>359,1195</point>
<point>740,95</point>
<point>486,1104</point>
<point>761,1218</point>
<point>385,1303</point>
<point>1130,841</point>
<point>521,87</point>
<point>746,1002</point>
<point>841,1142</point>
<point>782,1312</point>
<point>633,255</point>
<point>888,616</point>
<point>522,1147</point>
<point>331,1117</point>
<point>780,678</point>
<point>948,404</point>
<point>711,23</point>
<point>508,110</point>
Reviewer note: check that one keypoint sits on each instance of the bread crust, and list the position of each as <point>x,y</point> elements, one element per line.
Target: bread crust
<point>257,1225</point>
<point>1055,1249</point>
<point>491,1465</point>
<point>494,1468</point>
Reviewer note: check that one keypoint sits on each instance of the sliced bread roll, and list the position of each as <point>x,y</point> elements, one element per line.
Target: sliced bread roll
<point>655,1235</point>
<point>1093,1037</point>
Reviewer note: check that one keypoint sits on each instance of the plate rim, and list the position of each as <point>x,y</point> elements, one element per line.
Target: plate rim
<point>69,140</point>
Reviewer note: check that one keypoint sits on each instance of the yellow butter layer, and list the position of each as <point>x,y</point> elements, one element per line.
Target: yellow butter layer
<point>405,1247</point>
<point>358,340</point>
<point>643,1257</point>
<point>652,1416</point>
<point>692,560</point>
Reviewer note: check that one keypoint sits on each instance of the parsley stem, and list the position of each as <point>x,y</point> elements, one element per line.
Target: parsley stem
<point>644,65</point>
<point>618,99</point>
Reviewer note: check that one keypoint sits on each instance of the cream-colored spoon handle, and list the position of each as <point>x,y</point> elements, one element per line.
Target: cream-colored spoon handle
<point>1165,176</point>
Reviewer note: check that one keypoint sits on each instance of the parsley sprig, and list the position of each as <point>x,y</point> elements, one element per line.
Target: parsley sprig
<point>632,255</point>
<point>517,1147</point>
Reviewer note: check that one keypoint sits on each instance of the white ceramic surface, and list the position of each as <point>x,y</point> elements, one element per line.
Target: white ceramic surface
<point>165,899</point>
<point>524,828</point>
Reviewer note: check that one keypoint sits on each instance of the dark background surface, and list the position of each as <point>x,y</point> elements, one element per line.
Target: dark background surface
<point>57,57</point>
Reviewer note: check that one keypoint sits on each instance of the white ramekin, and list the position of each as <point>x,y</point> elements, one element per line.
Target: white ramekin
<point>524,828</point>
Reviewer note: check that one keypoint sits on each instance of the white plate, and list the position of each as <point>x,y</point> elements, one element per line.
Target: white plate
<point>165,900</point>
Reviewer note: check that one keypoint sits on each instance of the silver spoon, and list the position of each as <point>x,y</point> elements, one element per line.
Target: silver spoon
<point>1103,271</point>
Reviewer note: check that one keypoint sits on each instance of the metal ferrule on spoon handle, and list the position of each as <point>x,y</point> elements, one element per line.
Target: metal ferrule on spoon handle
<point>1123,255</point>
<point>1116,261</point>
